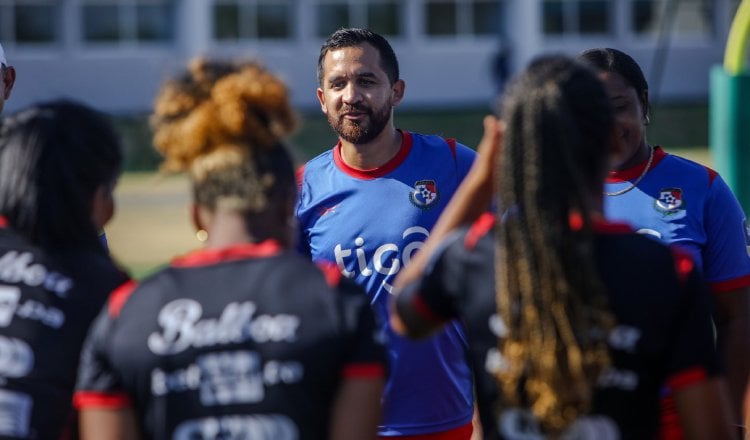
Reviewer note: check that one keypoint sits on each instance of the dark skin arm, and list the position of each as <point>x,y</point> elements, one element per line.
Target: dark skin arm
<point>733,334</point>
<point>704,409</point>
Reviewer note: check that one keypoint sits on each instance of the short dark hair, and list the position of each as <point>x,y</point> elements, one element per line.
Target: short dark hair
<point>53,158</point>
<point>349,37</point>
<point>607,59</point>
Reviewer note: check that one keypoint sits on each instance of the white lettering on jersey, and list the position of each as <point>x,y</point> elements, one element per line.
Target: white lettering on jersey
<point>521,424</point>
<point>182,327</point>
<point>385,258</point>
<point>227,378</point>
<point>256,427</point>
<point>30,309</point>
<point>624,337</point>
<point>16,357</point>
<point>18,268</point>
<point>615,378</point>
<point>15,414</point>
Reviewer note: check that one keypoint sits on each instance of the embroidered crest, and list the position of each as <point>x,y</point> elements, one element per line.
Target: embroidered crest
<point>669,200</point>
<point>425,194</point>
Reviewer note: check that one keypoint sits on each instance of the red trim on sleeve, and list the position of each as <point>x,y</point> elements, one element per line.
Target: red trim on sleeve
<point>363,371</point>
<point>425,311</point>
<point>90,399</point>
<point>729,285</point>
<point>374,173</point>
<point>330,271</point>
<point>683,263</point>
<point>452,144</point>
<point>462,432</point>
<point>119,297</point>
<point>4,222</point>
<point>205,257</point>
<point>686,377</point>
<point>479,229</point>
<point>298,175</point>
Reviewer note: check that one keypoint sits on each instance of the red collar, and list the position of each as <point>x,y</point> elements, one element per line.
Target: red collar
<point>635,171</point>
<point>374,173</point>
<point>206,257</point>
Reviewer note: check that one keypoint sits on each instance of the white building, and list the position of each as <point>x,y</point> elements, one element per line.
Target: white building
<point>115,53</point>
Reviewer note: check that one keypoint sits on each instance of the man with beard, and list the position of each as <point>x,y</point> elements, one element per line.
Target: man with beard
<point>369,204</point>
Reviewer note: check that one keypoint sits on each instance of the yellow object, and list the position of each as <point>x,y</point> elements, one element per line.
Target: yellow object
<point>734,55</point>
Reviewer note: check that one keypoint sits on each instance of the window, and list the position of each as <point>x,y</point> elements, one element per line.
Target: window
<point>30,21</point>
<point>688,17</point>
<point>463,17</point>
<point>382,16</point>
<point>252,19</point>
<point>577,17</point>
<point>127,20</point>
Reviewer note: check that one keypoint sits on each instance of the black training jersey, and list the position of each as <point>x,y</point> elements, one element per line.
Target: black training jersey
<point>244,342</point>
<point>663,331</point>
<point>47,302</point>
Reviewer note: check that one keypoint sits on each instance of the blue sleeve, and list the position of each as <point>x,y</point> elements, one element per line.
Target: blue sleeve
<point>726,263</point>
<point>464,159</point>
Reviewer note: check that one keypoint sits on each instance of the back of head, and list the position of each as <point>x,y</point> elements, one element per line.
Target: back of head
<point>605,59</point>
<point>53,158</point>
<point>224,122</point>
<point>349,37</point>
<point>554,159</point>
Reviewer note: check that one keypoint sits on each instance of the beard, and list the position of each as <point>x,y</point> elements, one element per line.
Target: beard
<point>360,132</point>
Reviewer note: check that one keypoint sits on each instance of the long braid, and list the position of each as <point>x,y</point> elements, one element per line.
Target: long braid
<point>549,293</point>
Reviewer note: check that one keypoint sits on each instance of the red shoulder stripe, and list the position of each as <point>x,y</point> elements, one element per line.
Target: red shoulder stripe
<point>363,371</point>
<point>711,176</point>
<point>479,229</point>
<point>298,175</point>
<point>330,271</point>
<point>90,399</point>
<point>686,378</point>
<point>452,144</point>
<point>119,296</point>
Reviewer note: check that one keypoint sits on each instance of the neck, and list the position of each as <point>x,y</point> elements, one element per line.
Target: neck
<point>641,155</point>
<point>375,153</point>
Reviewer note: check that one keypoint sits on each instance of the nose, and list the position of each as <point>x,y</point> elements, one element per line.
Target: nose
<point>352,94</point>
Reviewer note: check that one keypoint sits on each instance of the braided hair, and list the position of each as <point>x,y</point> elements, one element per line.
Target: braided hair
<point>225,123</point>
<point>554,160</point>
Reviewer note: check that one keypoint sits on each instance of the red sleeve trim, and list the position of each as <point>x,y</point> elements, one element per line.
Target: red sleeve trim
<point>298,175</point>
<point>683,263</point>
<point>88,399</point>
<point>452,144</point>
<point>479,229</point>
<point>364,370</point>
<point>120,296</point>
<point>425,311</point>
<point>4,222</point>
<point>686,377</point>
<point>330,271</point>
<point>730,285</point>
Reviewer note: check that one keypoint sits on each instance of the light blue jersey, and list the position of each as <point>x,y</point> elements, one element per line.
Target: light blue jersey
<point>681,202</point>
<point>371,223</point>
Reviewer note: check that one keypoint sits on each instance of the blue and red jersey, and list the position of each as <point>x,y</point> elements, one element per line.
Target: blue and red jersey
<point>371,222</point>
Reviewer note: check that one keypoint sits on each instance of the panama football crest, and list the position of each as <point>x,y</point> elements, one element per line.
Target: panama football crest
<point>424,194</point>
<point>669,200</point>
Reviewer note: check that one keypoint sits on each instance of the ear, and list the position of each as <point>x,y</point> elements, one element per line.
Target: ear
<point>197,215</point>
<point>8,81</point>
<point>397,92</point>
<point>102,206</point>
<point>644,104</point>
<point>322,101</point>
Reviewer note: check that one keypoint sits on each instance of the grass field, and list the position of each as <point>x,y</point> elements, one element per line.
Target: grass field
<point>151,224</point>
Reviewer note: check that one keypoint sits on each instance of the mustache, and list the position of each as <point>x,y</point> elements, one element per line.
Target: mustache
<point>355,108</point>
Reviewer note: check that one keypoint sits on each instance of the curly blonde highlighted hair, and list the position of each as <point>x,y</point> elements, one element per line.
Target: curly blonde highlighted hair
<point>224,123</point>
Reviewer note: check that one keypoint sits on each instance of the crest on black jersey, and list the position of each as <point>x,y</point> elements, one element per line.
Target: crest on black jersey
<point>425,194</point>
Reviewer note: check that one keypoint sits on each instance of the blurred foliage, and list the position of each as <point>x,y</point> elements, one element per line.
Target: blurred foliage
<point>672,126</point>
